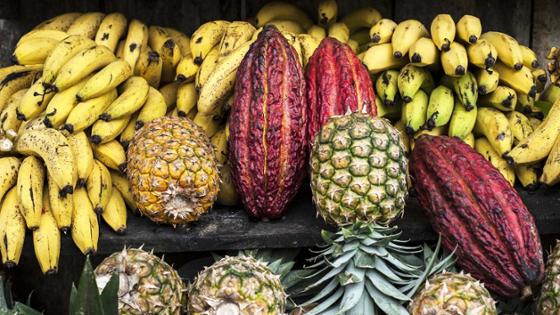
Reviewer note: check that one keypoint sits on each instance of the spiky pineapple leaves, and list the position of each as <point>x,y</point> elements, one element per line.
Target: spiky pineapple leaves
<point>86,300</point>
<point>366,269</point>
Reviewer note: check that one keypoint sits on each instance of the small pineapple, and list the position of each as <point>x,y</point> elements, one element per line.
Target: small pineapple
<point>358,170</point>
<point>237,285</point>
<point>147,284</point>
<point>549,300</point>
<point>453,293</point>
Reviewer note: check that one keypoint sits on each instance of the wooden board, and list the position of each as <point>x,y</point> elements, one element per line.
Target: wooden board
<point>545,28</point>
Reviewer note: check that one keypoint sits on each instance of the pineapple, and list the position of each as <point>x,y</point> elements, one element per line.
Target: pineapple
<point>173,171</point>
<point>358,170</point>
<point>237,285</point>
<point>453,293</point>
<point>148,285</point>
<point>549,300</point>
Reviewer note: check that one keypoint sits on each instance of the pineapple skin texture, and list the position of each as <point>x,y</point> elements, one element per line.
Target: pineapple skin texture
<point>238,283</point>
<point>358,170</point>
<point>549,300</point>
<point>173,171</point>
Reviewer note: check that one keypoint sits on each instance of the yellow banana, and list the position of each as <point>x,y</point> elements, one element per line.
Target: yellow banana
<point>86,24</point>
<point>507,47</point>
<point>535,122</point>
<point>317,32</point>
<point>462,121</point>
<point>154,107</point>
<point>423,52</point>
<point>469,139</point>
<point>386,87</point>
<point>12,230</point>
<point>105,131</point>
<point>410,80</point>
<point>361,18</point>
<point>9,167</point>
<point>31,177</point>
<point>361,37</point>
<point>308,46</point>
<point>406,33</point>
<point>136,41</point>
<point>108,78</point>
<point>278,10</point>
<point>494,125</point>
<point>46,240</point>
<point>530,59</point>
<point>382,31</point>
<point>60,22</point>
<point>443,31</point>
<point>527,176</point>
<point>440,107</point>
<point>206,68</point>
<point>414,112</point>
<point>83,156</point>
<point>227,195</point>
<point>51,34</point>
<point>129,131</point>
<point>111,154</point>
<point>84,114</point>
<point>469,29</point>
<point>210,123</point>
<point>187,69</point>
<point>61,208</point>
<point>62,104</point>
<point>327,12</point>
<point>8,117</point>
<point>115,212</point>
<point>181,39</point>
<point>82,65</point>
<point>16,81</point>
<point>521,80</point>
<point>379,58</point>
<point>286,26</point>
<point>169,52</point>
<point>483,146</point>
<point>520,126</point>
<point>339,31</point>
<point>99,186</point>
<point>455,60</point>
<point>482,54</point>
<point>33,51</point>
<point>541,78</point>
<point>186,98</point>
<point>121,183</point>
<point>205,37</point>
<point>220,142</point>
<point>85,227</point>
<point>149,66</point>
<point>132,98</point>
<point>62,53</point>
<point>34,101</point>
<point>551,169</point>
<point>503,98</point>
<point>169,92</point>
<point>236,34</point>
<point>111,30</point>
<point>487,81</point>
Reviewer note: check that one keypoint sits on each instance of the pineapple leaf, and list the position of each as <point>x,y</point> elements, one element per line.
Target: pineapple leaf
<point>343,259</point>
<point>385,286</point>
<point>333,273</point>
<point>363,260</point>
<point>109,296</point>
<point>285,269</point>
<point>327,303</point>
<point>364,306</point>
<point>87,300</point>
<point>386,270</point>
<point>351,275</point>
<point>22,309</point>
<point>73,295</point>
<point>4,296</point>
<point>385,303</point>
<point>326,291</point>
<point>351,297</point>
<point>274,266</point>
<point>294,277</point>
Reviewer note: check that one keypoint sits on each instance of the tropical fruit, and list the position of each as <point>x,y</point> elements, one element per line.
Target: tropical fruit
<point>549,299</point>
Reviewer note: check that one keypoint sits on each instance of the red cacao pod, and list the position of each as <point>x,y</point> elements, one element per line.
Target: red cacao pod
<point>475,210</point>
<point>337,83</point>
<point>268,137</point>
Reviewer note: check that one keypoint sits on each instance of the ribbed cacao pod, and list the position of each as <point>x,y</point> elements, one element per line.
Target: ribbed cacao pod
<point>478,214</point>
<point>268,137</point>
<point>337,83</point>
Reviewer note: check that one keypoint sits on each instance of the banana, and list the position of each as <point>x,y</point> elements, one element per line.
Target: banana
<point>317,32</point>
<point>527,176</point>
<point>286,26</point>
<point>227,195</point>
<point>181,39</point>
<point>62,53</point>
<point>82,65</point>
<point>169,92</point>
<point>220,142</point>
<point>111,154</point>
<point>526,105</point>
<point>540,143</point>
<point>105,131</point>
<point>60,22</point>
<point>153,108</point>
<point>84,114</point>
<point>61,208</point>
<point>386,87</point>
<point>469,139</point>
<point>278,10</point>
<point>12,229</point>
<point>487,80</point>
<point>239,32</point>
<point>391,112</point>
<point>133,96</point>
<point>410,80</point>
<point>10,71</point>
<point>121,183</point>
<point>85,227</point>
<point>520,126</point>
<point>507,47</point>
<point>400,126</point>
<point>483,146</point>
<point>190,115</point>
<point>308,46</point>
<point>86,24</point>
<point>51,34</point>
<point>521,80</point>
<point>541,78</point>
<point>361,37</point>
<point>62,104</point>
<point>551,94</point>
<point>382,31</point>
<point>83,156</point>
<point>443,31</point>
<point>210,123</point>
<point>407,33</point>
<point>186,98</point>
<point>46,240</point>
<point>469,29</point>
<point>482,54</point>
<point>8,116</point>
<point>462,121</point>
<point>494,125</point>
<point>207,67</point>
<point>423,52</point>
<point>170,53</point>
<point>207,36</point>
<point>503,98</point>
<point>535,122</point>
<point>455,60</point>
<point>440,107</point>
<point>31,177</point>
<point>9,167</point>
<point>149,66</point>
<point>379,58</point>
<point>120,49</point>
<point>105,80</point>
<point>129,131</point>
<point>34,101</point>
<point>551,169</point>
<point>434,132</point>
<point>220,83</point>
<point>530,59</point>
<point>99,186</point>
<point>414,112</point>
<point>339,31</point>
<point>111,30</point>
<point>187,69</point>
<point>361,18</point>
<point>136,41</point>
<point>16,81</point>
<point>327,12</point>
<point>466,89</point>
<point>115,212</point>
<point>33,51</point>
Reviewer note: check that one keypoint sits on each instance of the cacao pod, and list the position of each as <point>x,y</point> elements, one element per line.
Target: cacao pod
<point>337,83</point>
<point>478,214</point>
<point>268,137</point>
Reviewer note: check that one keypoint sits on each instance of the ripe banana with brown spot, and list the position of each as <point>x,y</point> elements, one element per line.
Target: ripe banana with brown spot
<point>382,31</point>
<point>133,96</point>
<point>34,101</point>
<point>136,41</point>
<point>455,61</point>
<point>405,34</point>
<point>51,34</point>
<point>108,78</point>
<point>286,26</point>
<point>414,112</point>
<point>483,146</point>
<point>111,154</point>
<point>9,167</point>
<point>482,54</point>
<point>308,46</point>
<point>85,227</point>
<point>17,80</point>
<point>339,31</point>
<point>60,22</point>
<point>62,53</point>
<point>487,80</point>
<point>8,117</point>
<point>443,31</point>
<point>469,29</point>
<point>31,177</point>
<point>111,30</point>
<point>469,139</point>
<point>83,155</point>
<point>379,58</point>
<point>12,229</point>
<point>33,51</point>
<point>149,66</point>
<point>99,186</point>
<point>61,105</point>
<point>170,53</point>
<point>86,24</point>
<point>153,108</point>
<point>210,123</point>
<point>466,89</point>
<point>520,80</point>
<point>494,125</point>
<point>169,92</point>
<point>207,67</point>
<point>206,37</point>
<point>121,183</point>
<point>187,70</point>
<point>115,212</point>
<point>278,10</point>
<point>361,18</point>
<point>423,53</point>
<point>186,99</point>
<point>85,114</point>
<point>46,240</point>
<point>507,47</point>
<point>462,121</point>
<point>520,126</point>
<point>129,131</point>
<point>503,98</point>
<point>181,39</point>
<point>61,208</point>
<point>527,176</point>
<point>386,87</point>
<point>440,107</point>
<point>236,34</point>
<point>105,131</point>
<point>530,59</point>
<point>327,12</point>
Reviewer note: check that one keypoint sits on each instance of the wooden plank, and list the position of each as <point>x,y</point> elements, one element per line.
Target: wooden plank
<point>512,17</point>
<point>545,27</point>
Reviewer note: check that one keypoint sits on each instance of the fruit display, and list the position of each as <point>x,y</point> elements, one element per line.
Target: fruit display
<point>548,302</point>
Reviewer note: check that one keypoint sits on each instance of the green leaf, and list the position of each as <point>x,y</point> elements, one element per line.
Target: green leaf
<point>285,268</point>
<point>326,303</point>
<point>387,271</point>
<point>87,301</point>
<point>363,260</point>
<point>351,275</point>
<point>385,303</point>
<point>3,295</point>
<point>350,246</point>
<point>273,266</point>
<point>343,259</point>
<point>352,294</point>
<point>294,277</point>
<point>73,296</point>
<point>385,286</point>
<point>326,291</point>
<point>364,306</point>
<point>109,297</point>
<point>376,251</point>
<point>399,264</point>
<point>22,309</point>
